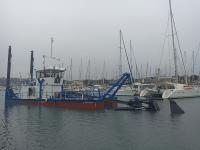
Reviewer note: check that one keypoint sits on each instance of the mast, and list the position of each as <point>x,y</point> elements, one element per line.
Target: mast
<point>31,66</point>
<point>89,67</point>
<point>131,59</point>
<point>147,68</point>
<point>192,62</point>
<point>137,74</point>
<point>120,53</point>
<point>80,70</point>
<point>71,70</point>
<point>103,72</point>
<point>8,68</point>
<point>52,47</point>
<point>173,43</point>
<point>88,72</point>
<point>129,66</point>
<point>192,66</point>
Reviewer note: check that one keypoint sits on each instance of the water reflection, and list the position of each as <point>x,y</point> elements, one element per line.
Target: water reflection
<point>50,128</point>
<point>6,139</point>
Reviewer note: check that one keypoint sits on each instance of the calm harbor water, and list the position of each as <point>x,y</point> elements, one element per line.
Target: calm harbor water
<point>25,127</point>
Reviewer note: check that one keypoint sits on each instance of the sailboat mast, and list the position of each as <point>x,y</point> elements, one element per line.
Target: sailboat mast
<point>131,58</point>
<point>173,42</point>
<point>52,47</point>
<point>120,53</point>
<point>192,62</point>
<point>71,70</point>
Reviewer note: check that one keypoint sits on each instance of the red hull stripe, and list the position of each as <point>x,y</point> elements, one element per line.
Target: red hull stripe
<point>72,105</point>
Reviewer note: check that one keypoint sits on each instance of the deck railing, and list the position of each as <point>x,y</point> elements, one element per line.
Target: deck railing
<point>65,95</point>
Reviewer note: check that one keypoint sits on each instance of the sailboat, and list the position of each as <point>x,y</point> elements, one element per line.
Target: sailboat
<point>179,90</point>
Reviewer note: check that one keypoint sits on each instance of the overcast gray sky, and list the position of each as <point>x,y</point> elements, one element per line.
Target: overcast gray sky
<point>89,29</point>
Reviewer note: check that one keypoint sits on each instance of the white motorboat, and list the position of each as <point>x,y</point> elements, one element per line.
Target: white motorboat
<point>151,93</point>
<point>181,91</point>
<point>135,89</point>
<point>157,90</point>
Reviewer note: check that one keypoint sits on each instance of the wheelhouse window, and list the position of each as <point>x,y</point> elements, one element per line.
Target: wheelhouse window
<point>50,73</point>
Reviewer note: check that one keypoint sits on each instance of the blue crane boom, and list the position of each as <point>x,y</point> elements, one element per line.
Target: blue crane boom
<point>111,92</point>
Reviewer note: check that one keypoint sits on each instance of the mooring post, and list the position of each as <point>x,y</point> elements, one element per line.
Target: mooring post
<point>8,68</point>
